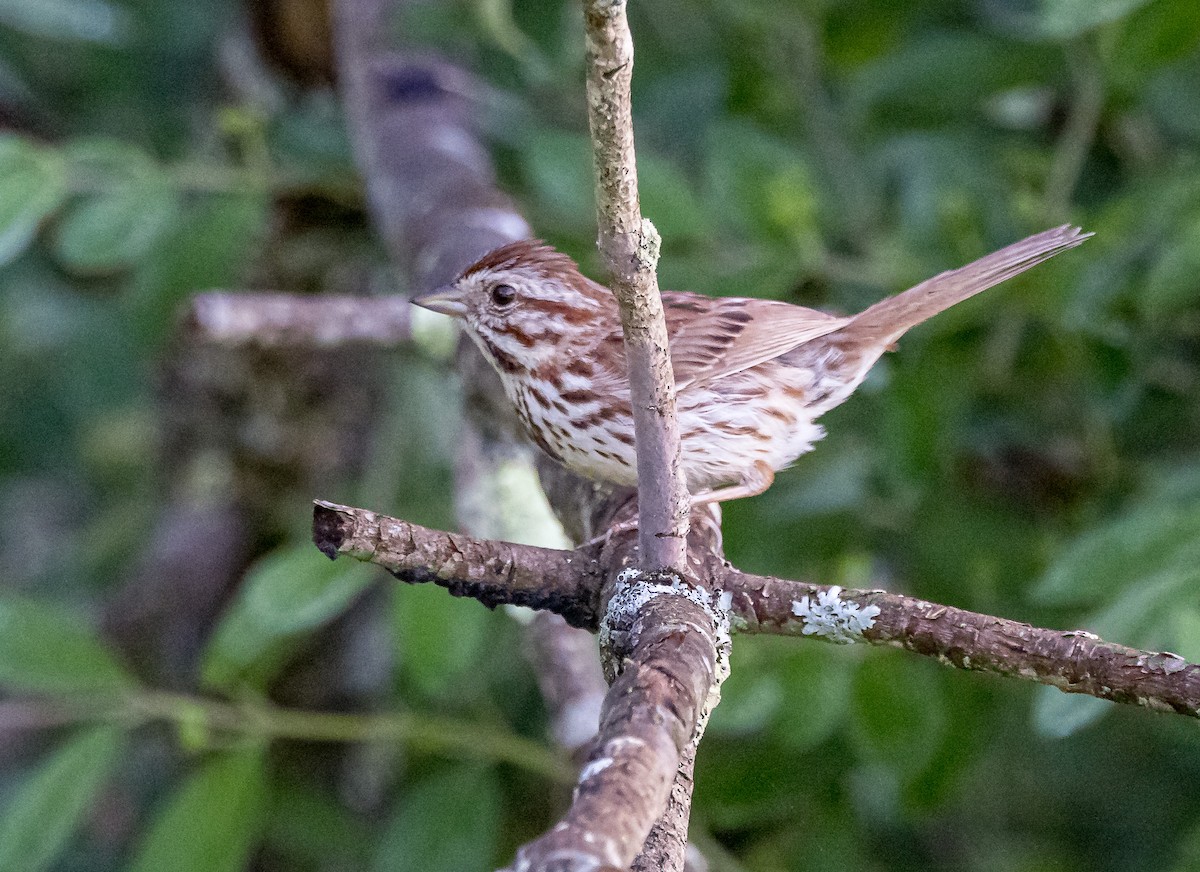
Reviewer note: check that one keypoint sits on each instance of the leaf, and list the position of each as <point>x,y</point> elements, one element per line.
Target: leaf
<point>39,818</point>
<point>558,169</point>
<point>940,76</point>
<point>898,711</point>
<point>1184,631</point>
<point>1067,19</point>
<point>426,619</point>
<point>1057,715</point>
<point>111,229</point>
<point>83,20</point>
<point>761,187</point>
<point>32,185</point>
<point>1171,286</point>
<point>284,597</point>
<point>1155,35</point>
<point>1149,540</point>
<point>817,681</point>
<point>211,822</point>
<point>206,248</point>
<point>47,649</point>
<point>447,823</point>
<point>668,199</point>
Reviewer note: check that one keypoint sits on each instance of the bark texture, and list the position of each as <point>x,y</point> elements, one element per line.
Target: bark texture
<point>1074,661</point>
<point>630,247</point>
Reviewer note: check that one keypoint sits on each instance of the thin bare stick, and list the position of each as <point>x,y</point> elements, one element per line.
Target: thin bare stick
<point>630,246</point>
<point>266,320</point>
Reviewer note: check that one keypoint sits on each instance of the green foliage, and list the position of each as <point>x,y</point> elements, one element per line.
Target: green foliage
<point>283,599</point>
<point>211,822</point>
<point>111,229</point>
<point>449,824</point>
<point>39,818</point>
<point>46,649</point>
<point>32,185</point>
<point>1141,568</point>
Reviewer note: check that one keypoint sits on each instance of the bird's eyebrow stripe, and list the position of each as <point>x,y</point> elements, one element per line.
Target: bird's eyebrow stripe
<point>572,314</point>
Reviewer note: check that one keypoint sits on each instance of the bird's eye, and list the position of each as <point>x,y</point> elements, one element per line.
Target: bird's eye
<point>504,295</point>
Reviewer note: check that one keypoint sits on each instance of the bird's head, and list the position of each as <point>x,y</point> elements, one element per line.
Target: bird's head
<point>524,304</point>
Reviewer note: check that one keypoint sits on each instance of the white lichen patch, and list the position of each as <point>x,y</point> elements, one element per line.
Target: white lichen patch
<point>620,625</point>
<point>830,617</point>
<point>595,768</point>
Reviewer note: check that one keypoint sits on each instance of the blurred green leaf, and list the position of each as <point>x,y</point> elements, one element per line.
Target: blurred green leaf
<point>439,636</point>
<point>899,718</point>
<point>1067,19</point>
<point>1173,284</point>
<point>48,649</point>
<point>33,184</point>
<point>39,818</point>
<point>1057,715</point>
<point>212,820</point>
<point>796,691</point>
<point>1156,34</point>
<point>85,20</point>
<point>1158,540</point>
<point>1183,630</point>
<point>1142,616</point>
<point>309,826</point>
<point>940,76</point>
<point>558,169</point>
<point>668,199</point>
<point>762,186</point>
<point>129,202</point>
<point>447,823</point>
<point>284,597</point>
<point>207,248</point>
<point>816,696</point>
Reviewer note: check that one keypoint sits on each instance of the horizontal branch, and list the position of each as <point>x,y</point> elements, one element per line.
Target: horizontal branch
<point>255,718</point>
<point>568,582</point>
<point>495,573</point>
<point>297,321</point>
<point>1074,661</point>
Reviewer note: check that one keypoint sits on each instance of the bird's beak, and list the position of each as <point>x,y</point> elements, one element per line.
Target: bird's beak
<point>447,300</point>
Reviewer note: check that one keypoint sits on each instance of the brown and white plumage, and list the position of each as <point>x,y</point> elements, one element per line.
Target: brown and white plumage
<point>752,375</point>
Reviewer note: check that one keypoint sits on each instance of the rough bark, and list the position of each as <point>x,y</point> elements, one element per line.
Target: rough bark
<point>670,650</point>
<point>495,573</point>
<point>1074,661</point>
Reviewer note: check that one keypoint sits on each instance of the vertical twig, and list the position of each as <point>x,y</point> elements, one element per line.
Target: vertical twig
<point>630,246</point>
<point>1083,118</point>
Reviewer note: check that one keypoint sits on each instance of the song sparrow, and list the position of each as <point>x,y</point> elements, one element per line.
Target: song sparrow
<point>752,375</point>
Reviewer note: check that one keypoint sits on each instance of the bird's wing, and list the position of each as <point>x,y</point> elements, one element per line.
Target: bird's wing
<point>712,337</point>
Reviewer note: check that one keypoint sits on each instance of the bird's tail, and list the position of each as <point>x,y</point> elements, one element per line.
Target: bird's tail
<point>889,319</point>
